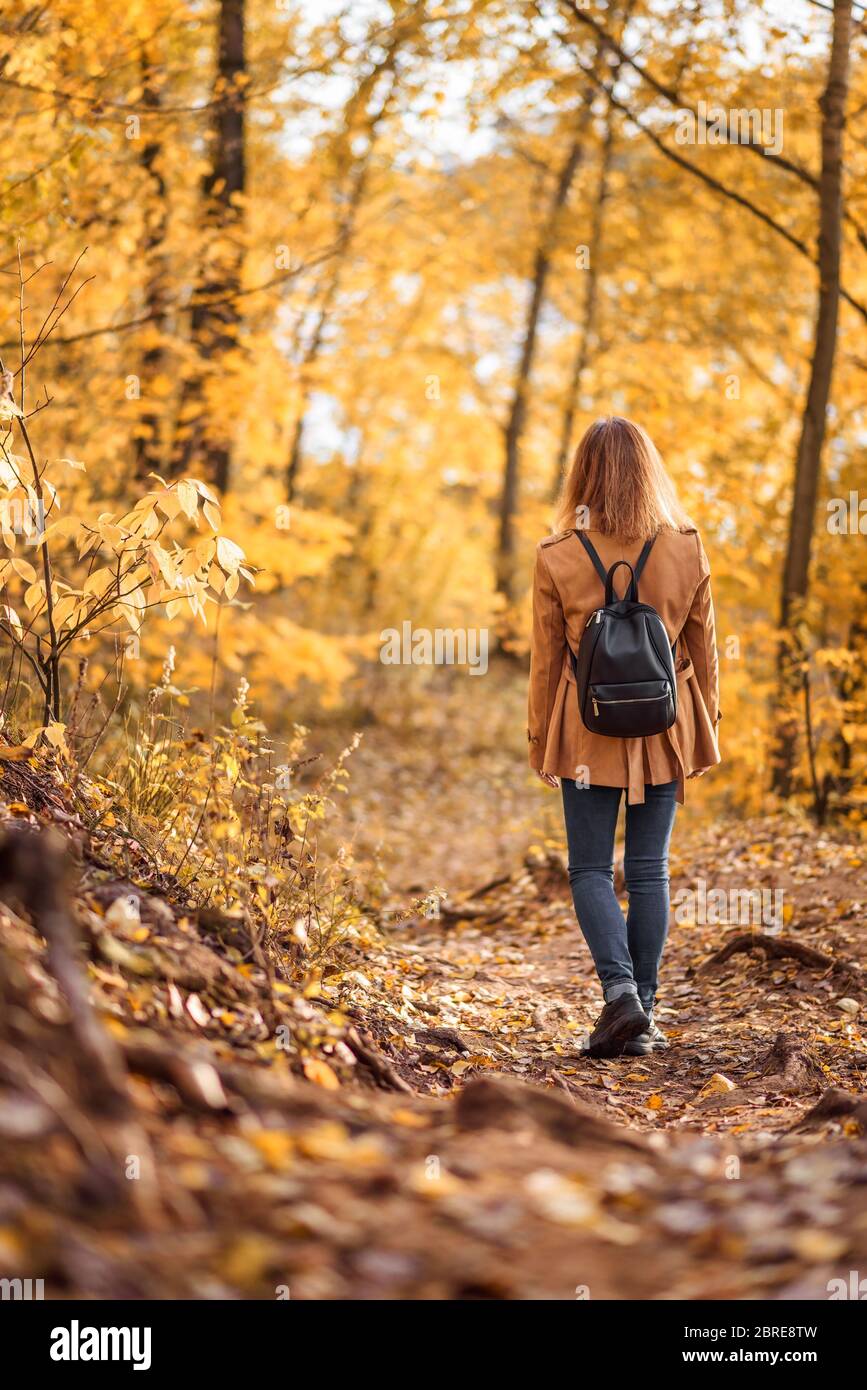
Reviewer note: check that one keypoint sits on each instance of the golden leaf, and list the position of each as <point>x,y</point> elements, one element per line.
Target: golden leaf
<point>15,753</point>
<point>321,1074</point>
<point>717,1086</point>
<point>188,498</point>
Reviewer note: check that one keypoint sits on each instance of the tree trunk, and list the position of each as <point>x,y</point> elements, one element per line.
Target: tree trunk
<point>360,171</point>
<point>148,439</point>
<point>851,692</point>
<point>587,332</point>
<point>344,237</point>
<point>809,456</point>
<point>215,326</point>
<point>505,556</point>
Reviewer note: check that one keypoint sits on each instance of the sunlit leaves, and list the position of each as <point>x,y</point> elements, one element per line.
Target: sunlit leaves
<point>121,566</point>
<point>12,617</point>
<point>229,555</point>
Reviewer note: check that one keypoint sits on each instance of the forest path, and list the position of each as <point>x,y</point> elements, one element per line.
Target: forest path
<point>509,970</point>
<point>687,1173</point>
<point>455,1143</point>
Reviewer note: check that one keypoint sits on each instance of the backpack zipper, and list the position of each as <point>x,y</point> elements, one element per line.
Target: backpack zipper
<point>597,616</point>
<point>635,700</point>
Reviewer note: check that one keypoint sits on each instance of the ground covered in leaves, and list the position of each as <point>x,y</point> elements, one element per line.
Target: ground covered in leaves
<point>179,1119</point>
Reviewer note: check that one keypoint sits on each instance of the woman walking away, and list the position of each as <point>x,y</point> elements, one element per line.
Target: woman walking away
<point>624,696</point>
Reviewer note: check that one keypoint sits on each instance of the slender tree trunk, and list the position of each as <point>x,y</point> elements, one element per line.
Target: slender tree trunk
<point>345,233</point>
<point>851,691</point>
<point>148,440</point>
<point>512,435</point>
<point>587,331</point>
<point>311,353</point>
<point>808,461</point>
<point>215,327</point>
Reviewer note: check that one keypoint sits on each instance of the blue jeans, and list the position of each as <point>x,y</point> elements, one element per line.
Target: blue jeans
<point>626,951</point>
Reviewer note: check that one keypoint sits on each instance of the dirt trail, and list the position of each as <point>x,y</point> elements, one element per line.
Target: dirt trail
<point>457,1143</point>
<point>689,1173</point>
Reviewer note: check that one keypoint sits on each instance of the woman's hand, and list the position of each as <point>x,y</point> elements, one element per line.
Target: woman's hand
<point>548,779</point>
<point>699,772</point>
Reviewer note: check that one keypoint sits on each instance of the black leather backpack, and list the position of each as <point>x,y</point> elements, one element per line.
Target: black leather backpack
<point>624,669</point>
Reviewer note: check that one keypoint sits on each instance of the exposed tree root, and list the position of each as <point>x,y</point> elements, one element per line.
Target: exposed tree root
<point>33,872</point>
<point>82,1078</point>
<point>791,1067</point>
<point>488,887</point>
<point>382,1072</point>
<point>477,913</point>
<point>504,1103</point>
<point>774,947</point>
<point>442,1037</point>
<point>835,1104</point>
<point>195,1079</point>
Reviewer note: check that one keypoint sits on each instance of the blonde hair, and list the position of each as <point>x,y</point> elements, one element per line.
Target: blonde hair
<point>618,475</point>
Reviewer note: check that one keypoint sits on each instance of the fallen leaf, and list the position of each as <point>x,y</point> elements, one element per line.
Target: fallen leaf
<point>275,1145</point>
<point>717,1085</point>
<point>319,1072</point>
<point>409,1119</point>
<point>14,753</point>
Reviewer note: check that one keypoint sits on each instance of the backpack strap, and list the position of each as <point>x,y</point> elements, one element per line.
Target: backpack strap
<point>591,551</point>
<point>601,570</point>
<point>642,559</point>
<point>639,566</point>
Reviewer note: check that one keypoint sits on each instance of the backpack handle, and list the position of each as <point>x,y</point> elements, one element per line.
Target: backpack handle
<point>631,589</point>
<point>608,579</point>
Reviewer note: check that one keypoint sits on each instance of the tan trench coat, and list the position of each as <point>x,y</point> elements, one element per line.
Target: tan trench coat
<point>566,591</point>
